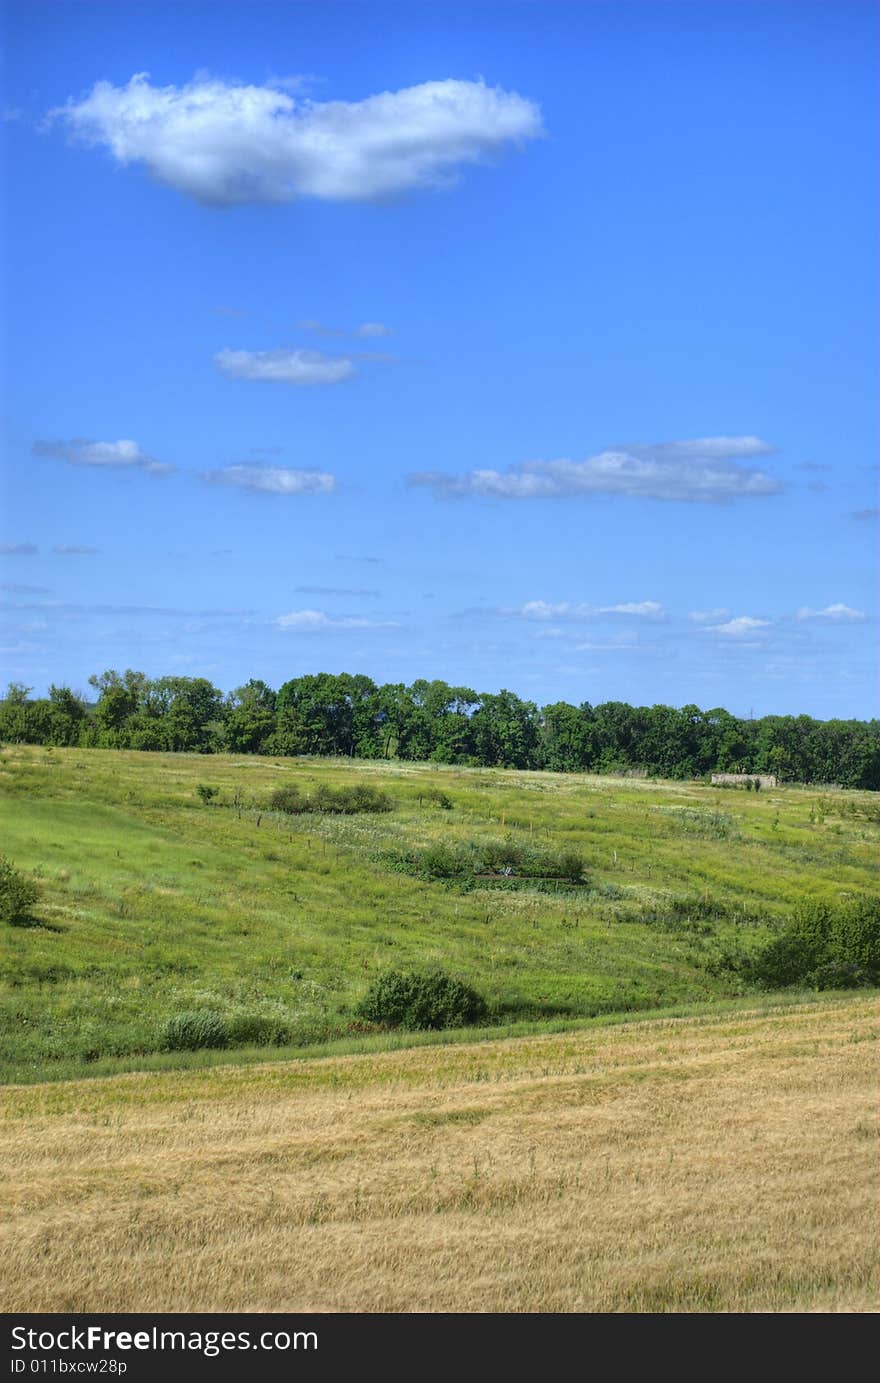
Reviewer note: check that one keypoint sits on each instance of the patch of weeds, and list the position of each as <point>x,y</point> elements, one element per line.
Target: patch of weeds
<point>362,797</point>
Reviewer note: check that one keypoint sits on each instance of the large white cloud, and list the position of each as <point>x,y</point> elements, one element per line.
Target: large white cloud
<point>285,366</point>
<point>223,144</point>
<point>274,480</point>
<point>705,469</point>
<point>80,451</point>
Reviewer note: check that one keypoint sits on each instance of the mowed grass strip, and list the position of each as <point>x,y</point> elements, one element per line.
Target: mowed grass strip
<point>714,1164</point>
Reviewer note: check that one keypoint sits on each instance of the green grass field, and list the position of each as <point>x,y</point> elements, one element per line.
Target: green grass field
<point>153,903</point>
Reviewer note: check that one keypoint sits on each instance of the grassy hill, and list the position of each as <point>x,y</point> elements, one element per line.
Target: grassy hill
<point>155,903</point>
<point>726,1163</point>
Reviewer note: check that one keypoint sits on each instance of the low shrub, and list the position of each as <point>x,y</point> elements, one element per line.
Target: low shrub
<point>206,793</point>
<point>822,947</point>
<point>422,999</point>
<point>18,894</point>
<point>188,1032</point>
<point>477,862</point>
<point>288,800</point>
<point>257,1030</point>
<point>362,797</point>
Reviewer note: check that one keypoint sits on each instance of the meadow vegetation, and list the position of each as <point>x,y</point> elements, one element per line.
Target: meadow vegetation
<point>172,925</point>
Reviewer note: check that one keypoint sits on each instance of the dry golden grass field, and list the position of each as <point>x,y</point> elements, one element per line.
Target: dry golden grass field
<point>723,1163</point>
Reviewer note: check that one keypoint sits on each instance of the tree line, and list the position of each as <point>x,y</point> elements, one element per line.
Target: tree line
<point>349,714</point>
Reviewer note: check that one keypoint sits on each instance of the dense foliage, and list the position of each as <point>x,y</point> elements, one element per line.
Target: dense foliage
<point>17,894</point>
<point>422,999</point>
<point>823,947</point>
<point>362,797</point>
<point>189,1032</point>
<point>349,714</point>
<point>475,861</point>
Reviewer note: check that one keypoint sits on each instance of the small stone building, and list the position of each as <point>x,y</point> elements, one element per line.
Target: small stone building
<point>739,780</point>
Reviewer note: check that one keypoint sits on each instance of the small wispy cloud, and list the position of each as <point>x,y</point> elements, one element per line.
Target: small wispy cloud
<point>80,451</point>
<point>708,616</point>
<point>703,470</point>
<point>314,621</point>
<point>335,590</point>
<point>605,647</point>
<point>318,327</point>
<point>739,628</point>
<point>273,480</point>
<point>299,367</point>
<point>567,610</point>
<point>832,614</point>
<point>373,329</point>
<point>366,331</point>
<point>75,550</point>
<point>866,515</point>
<point>18,549</point>
<point>15,588</point>
<point>224,143</point>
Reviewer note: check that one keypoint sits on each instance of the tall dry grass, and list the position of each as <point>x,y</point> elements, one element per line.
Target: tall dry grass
<point>723,1164</point>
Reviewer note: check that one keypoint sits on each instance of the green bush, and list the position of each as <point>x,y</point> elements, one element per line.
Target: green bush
<point>331,801</point>
<point>205,793</point>
<point>288,800</point>
<point>257,1030</point>
<point>473,863</point>
<point>422,999</point>
<point>17,894</point>
<point>346,801</point>
<point>442,862</point>
<point>824,948</point>
<point>187,1032</point>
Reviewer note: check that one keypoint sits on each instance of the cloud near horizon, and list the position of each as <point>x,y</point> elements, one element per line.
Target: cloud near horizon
<point>292,366</point>
<point>124,454</point>
<point>312,621</point>
<point>545,610</point>
<point>703,470</point>
<point>223,143</point>
<point>273,480</point>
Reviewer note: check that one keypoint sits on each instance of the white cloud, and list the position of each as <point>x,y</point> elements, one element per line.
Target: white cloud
<point>17,549</point>
<point>274,480</point>
<point>373,329</point>
<point>605,647</point>
<point>708,616</point>
<point>312,621</point>
<point>834,614</point>
<point>738,628</point>
<point>75,550</point>
<point>80,451</point>
<point>704,470</point>
<point>546,610</point>
<point>224,144</point>
<point>285,366</point>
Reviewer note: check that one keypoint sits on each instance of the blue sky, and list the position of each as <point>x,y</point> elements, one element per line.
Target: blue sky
<point>524,345</point>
